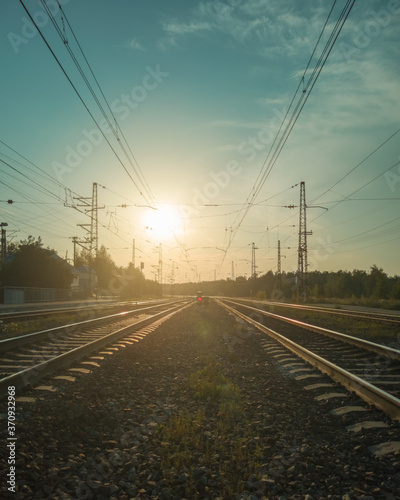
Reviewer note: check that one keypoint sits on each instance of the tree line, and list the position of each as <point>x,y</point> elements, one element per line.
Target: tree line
<point>374,284</point>
<point>29,264</point>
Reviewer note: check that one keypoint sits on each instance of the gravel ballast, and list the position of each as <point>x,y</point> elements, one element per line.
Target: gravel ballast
<point>199,408</point>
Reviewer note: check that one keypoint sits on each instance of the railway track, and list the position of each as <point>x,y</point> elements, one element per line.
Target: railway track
<point>26,359</point>
<point>370,370</point>
<point>221,401</point>
<point>26,315</point>
<point>391,319</point>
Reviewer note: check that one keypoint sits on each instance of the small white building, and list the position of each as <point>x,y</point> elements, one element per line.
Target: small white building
<point>83,275</point>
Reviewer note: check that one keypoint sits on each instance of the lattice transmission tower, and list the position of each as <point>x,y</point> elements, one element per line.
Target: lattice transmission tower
<point>302,251</point>
<point>253,261</point>
<point>89,206</point>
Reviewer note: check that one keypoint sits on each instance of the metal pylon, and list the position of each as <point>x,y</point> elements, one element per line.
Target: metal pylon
<point>302,252</point>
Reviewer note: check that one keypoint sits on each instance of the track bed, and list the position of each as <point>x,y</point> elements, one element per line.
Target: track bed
<point>199,408</point>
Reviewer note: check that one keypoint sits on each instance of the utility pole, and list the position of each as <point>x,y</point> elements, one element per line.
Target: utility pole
<point>302,251</point>
<point>75,242</point>
<point>90,207</point>
<point>233,270</point>
<point>160,263</point>
<point>3,241</point>
<point>94,220</point>
<point>253,261</point>
<point>279,265</point>
<point>279,258</point>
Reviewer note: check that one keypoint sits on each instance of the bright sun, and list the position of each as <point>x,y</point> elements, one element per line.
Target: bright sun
<point>164,222</point>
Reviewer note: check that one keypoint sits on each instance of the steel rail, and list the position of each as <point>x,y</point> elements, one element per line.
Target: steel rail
<point>365,344</point>
<point>24,315</point>
<point>11,343</point>
<point>31,375</point>
<point>368,392</point>
<point>388,318</point>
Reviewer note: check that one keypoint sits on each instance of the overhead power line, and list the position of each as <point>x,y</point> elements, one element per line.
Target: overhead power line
<point>358,189</point>
<point>282,136</point>
<point>80,96</point>
<point>358,165</point>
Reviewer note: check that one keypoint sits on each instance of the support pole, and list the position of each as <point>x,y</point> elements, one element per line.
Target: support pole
<point>253,261</point>
<point>160,263</point>
<point>279,258</point>
<point>3,241</point>
<point>302,251</point>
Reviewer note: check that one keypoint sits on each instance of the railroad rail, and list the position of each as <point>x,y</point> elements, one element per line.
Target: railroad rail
<point>28,358</point>
<point>374,316</point>
<point>370,370</point>
<point>23,315</point>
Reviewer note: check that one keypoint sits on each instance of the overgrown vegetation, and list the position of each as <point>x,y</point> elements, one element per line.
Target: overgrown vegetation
<point>209,382</point>
<point>215,440</point>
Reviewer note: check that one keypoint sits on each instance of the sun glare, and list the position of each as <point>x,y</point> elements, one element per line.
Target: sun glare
<point>164,222</point>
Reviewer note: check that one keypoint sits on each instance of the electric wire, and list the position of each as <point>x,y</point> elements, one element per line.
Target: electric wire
<point>81,99</point>
<point>297,111</point>
<point>358,165</point>
<point>113,128</point>
<point>141,176</point>
<point>358,189</point>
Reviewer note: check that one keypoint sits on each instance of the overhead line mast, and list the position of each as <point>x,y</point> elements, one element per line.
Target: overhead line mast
<point>302,251</point>
<point>253,261</point>
<point>304,90</point>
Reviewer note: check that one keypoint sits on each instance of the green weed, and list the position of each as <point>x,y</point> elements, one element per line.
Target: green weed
<point>224,443</point>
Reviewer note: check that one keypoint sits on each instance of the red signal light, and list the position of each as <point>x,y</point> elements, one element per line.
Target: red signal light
<point>198,298</point>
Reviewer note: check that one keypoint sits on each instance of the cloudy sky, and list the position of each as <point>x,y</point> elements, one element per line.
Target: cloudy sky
<point>215,112</point>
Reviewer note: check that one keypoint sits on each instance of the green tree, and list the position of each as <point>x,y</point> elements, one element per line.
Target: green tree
<point>395,288</point>
<point>378,283</point>
<point>102,263</point>
<point>31,265</point>
<point>133,285</point>
<point>104,266</point>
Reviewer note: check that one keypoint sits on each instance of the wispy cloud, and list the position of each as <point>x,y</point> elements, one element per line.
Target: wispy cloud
<point>266,27</point>
<point>241,124</point>
<point>175,29</point>
<point>272,101</point>
<point>134,44</point>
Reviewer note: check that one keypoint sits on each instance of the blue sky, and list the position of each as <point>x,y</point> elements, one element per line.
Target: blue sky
<point>199,89</point>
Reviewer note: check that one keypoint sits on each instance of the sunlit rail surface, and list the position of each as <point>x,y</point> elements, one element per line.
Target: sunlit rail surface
<point>370,370</point>
<point>27,358</point>
<point>37,312</point>
<point>368,315</point>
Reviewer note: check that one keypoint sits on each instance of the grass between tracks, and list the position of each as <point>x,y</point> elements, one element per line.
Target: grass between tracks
<point>218,444</point>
